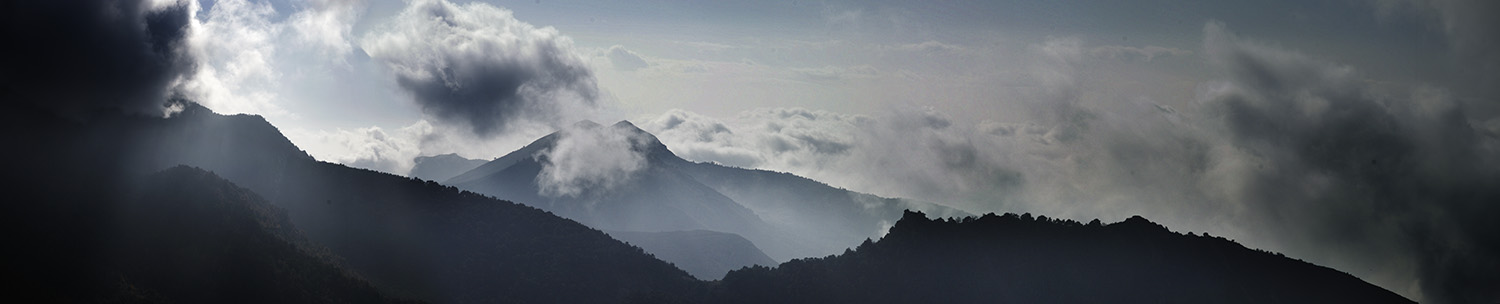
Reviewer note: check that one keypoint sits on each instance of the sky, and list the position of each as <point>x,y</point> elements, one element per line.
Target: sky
<point>1359,135</point>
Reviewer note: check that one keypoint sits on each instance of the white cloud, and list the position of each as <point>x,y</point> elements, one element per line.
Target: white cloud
<point>625,60</point>
<point>243,52</point>
<point>588,158</point>
<point>236,47</point>
<point>697,137</point>
<point>371,148</point>
<point>326,26</point>
<point>917,153</point>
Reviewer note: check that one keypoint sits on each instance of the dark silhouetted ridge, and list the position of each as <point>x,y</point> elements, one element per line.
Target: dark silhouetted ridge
<point>178,236</point>
<point>1020,259</point>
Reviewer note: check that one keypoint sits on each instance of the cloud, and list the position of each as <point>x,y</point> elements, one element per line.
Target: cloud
<point>698,137</point>
<point>1388,176</point>
<point>1146,53</point>
<point>587,158</point>
<point>837,73</point>
<point>235,46</point>
<point>1471,27</point>
<point>371,148</point>
<point>1286,152</point>
<point>476,65</point>
<point>625,60</point>
<point>928,47</point>
<point>326,26</point>
<point>843,18</point>
<point>245,49</point>
<point>914,153</point>
<point>70,56</point>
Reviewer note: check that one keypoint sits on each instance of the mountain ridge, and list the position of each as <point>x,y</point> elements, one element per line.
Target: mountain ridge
<point>178,235</point>
<point>437,243</point>
<point>1018,258</point>
<point>513,176</point>
<point>414,238</point>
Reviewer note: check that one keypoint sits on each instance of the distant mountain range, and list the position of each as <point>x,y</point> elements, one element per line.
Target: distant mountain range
<point>707,255</point>
<point>101,209</point>
<point>784,215</point>
<point>442,167</point>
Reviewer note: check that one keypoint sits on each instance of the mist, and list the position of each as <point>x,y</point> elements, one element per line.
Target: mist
<point>1281,150</point>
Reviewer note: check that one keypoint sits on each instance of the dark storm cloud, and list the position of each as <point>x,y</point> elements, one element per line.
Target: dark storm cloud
<point>69,56</point>
<point>1471,27</point>
<point>1384,174</point>
<point>476,65</point>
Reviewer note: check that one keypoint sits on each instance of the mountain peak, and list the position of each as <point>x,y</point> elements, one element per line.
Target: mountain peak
<point>913,215</point>
<point>1139,223</point>
<point>586,124</point>
<point>624,124</point>
<point>192,109</point>
<point>645,143</point>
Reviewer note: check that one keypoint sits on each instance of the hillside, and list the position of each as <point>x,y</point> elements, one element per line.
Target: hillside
<point>1020,259</point>
<point>784,215</point>
<point>178,236</point>
<point>707,255</point>
<point>826,219</point>
<point>412,238</point>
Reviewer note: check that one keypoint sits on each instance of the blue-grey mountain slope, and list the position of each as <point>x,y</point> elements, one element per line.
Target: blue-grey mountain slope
<point>413,239</point>
<point>784,215</point>
<point>442,167</point>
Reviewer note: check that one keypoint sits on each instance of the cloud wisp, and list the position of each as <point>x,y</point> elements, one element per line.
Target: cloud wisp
<point>625,60</point>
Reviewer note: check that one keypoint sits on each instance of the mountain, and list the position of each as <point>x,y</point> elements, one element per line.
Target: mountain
<point>658,198</point>
<point>181,235</point>
<point>1020,259</point>
<point>442,167</point>
<point>91,222</point>
<point>707,255</point>
<point>784,215</point>
<point>826,219</point>
<point>411,238</point>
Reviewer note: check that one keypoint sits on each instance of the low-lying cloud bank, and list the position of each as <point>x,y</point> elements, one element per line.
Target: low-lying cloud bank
<point>1392,183</point>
